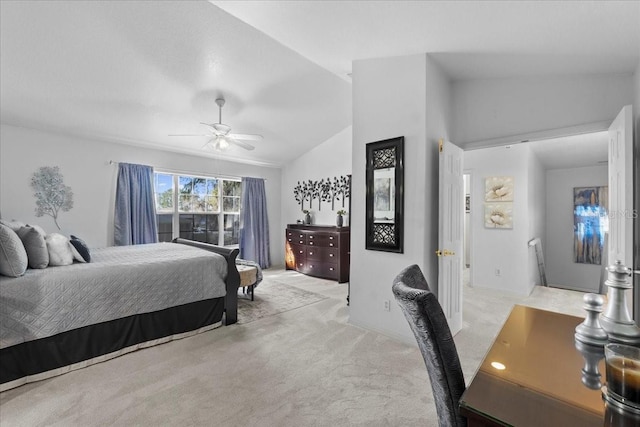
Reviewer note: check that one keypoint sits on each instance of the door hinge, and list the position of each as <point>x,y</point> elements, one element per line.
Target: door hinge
<point>440,145</point>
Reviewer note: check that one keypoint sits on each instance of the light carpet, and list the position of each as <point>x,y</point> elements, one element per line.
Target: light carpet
<point>272,297</point>
<point>302,367</point>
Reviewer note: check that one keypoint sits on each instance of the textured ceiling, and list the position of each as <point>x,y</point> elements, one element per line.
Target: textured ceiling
<point>475,39</point>
<point>137,71</point>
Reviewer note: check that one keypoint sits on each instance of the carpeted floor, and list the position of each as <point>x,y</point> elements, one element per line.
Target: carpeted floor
<point>302,367</point>
<point>273,297</point>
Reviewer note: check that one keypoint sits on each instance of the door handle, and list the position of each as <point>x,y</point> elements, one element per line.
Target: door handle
<point>445,252</point>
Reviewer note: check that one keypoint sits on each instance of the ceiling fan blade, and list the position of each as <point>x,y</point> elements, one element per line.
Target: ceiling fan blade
<point>240,144</point>
<point>246,136</point>
<point>189,134</point>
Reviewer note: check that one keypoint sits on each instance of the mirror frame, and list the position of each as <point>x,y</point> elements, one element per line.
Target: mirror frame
<point>377,238</point>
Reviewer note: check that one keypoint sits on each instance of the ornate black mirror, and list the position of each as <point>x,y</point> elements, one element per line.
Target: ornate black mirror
<point>385,195</point>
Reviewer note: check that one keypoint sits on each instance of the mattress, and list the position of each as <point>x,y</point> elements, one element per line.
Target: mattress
<point>119,282</point>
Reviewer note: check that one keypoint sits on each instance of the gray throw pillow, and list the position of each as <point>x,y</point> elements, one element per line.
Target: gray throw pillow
<point>35,245</point>
<point>13,256</point>
<point>14,225</point>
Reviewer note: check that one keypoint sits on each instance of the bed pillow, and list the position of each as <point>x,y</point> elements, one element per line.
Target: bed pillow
<point>59,250</point>
<point>33,239</point>
<point>13,256</point>
<point>81,247</point>
<point>14,225</point>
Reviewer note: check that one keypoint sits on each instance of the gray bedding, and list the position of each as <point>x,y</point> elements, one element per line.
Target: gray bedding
<point>119,282</point>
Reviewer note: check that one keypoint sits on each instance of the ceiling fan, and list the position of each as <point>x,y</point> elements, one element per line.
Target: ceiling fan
<point>221,137</point>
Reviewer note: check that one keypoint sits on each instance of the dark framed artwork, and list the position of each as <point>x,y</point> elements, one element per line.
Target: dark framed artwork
<point>385,195</point>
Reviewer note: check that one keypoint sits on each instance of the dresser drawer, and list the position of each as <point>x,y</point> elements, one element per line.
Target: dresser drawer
<point>322,254</point>
<point>322,269</point>
<point>317,239</point>
<point>299,252</point>
<point>296,237</point>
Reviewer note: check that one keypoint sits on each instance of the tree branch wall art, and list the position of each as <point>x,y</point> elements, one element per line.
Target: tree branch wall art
<point>52,196</point>
<point>325,190</point>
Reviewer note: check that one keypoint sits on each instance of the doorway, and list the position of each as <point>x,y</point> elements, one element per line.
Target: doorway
<point>545,173</point>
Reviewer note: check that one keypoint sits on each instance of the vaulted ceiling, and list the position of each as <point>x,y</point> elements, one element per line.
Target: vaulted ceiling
<point>135,72</point>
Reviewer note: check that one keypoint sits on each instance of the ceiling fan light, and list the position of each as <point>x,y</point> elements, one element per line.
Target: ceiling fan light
<point>221,144</point>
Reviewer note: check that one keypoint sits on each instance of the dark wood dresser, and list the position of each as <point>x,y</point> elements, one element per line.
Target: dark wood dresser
<point>318,250</point>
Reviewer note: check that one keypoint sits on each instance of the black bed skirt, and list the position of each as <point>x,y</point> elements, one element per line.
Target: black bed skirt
<point>67,348</point>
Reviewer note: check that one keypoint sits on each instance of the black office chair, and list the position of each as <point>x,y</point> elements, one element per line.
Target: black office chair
<point>430,327</point>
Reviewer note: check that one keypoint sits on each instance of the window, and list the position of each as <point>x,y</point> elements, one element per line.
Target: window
<point>193,208</point>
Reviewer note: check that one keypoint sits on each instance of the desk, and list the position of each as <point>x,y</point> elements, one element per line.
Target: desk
<point>541,384</point>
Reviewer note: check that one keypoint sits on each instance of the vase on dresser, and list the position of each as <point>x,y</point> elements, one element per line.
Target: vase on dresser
<point>339,221</point>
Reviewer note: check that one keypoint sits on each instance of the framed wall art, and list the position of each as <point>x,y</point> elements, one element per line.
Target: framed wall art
<point>385,195</point>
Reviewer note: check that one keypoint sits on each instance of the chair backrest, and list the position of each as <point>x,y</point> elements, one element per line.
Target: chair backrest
<point>430,327</point>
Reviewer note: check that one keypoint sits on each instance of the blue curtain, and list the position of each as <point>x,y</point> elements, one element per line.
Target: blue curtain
<point>254,224</point>
<point>135,220</point>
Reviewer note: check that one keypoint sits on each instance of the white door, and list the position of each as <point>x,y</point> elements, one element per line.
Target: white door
<point>621,192</point>
<point>621,188</point>
<point>450,233</point>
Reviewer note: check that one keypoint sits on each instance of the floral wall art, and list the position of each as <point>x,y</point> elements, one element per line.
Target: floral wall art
<point>328,191</point>
<point>498,211</point>
<point>498,215</point>
<point>498,189</point>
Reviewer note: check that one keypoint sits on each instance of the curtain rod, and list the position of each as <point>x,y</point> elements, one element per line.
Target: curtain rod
<point>186,172</point>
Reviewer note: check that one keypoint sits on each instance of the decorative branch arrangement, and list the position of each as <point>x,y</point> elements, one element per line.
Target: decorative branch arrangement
<point>51,193</point>
<point>324,190</point>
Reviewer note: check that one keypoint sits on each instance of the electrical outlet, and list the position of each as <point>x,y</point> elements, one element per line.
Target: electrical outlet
<point>387,305</point>
<point>498,272</point>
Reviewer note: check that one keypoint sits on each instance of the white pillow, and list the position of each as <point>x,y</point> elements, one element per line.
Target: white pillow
<point>59,250</point>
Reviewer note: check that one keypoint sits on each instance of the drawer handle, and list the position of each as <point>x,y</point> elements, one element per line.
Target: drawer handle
<point>311,237</point>
<point>310,253</point>
<point>330,237</point>
<point>300,241</point>
<point>301,252</point>
<point>331,268</point>
<point>310,243</point>
<point>311,266</point>
<point>331,255</point>
<point>330,244</point>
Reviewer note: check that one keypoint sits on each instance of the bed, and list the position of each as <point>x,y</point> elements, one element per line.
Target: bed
<point>58,319</point>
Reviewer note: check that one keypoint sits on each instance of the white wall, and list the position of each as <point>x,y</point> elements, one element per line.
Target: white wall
<point>562,271</point>
<point>402,96</point>
<point>503,249</point>
<point>86,169</point>
<point>389,100</point>
<point>537,212</point>
<point>493,108</point>
<point>328,160</point>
